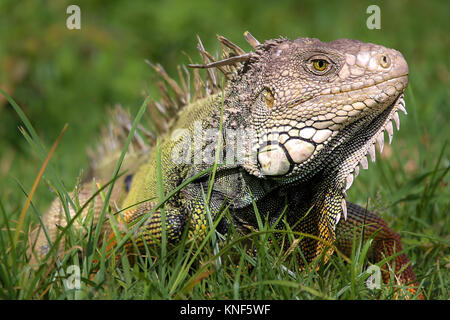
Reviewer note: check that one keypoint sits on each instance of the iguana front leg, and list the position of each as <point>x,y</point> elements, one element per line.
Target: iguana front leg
<point>149,231</point>
<point>386,243</point>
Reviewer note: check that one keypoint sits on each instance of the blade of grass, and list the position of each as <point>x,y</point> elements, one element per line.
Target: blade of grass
<point>37,144</point>
<point>25,120</point>
<point>35,184</point>
<point>117,169</point>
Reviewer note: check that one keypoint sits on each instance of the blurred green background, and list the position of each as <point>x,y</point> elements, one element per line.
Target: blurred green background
<point>63,76</point>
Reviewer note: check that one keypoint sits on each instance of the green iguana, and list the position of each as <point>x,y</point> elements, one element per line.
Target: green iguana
<point>296,120</point>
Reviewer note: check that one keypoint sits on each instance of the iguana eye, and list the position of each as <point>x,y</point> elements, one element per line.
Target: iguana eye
<point>320,64</point>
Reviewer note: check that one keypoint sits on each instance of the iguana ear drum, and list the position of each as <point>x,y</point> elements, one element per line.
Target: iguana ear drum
<point>269,99</point>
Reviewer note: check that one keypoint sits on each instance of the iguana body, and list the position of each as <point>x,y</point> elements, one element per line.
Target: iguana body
<point>297,119</point>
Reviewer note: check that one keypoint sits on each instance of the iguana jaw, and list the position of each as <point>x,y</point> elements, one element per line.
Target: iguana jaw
<point>328,199</point>
<point>331,146</point>
<point>342,166</point>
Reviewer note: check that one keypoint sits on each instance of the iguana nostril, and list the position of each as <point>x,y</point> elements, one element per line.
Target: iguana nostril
<point>385,62</point>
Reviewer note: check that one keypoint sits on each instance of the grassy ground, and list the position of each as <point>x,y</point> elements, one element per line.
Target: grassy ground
<point>59,76</point>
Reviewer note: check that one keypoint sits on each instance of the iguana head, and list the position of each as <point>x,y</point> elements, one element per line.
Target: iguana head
<point>320,106</point>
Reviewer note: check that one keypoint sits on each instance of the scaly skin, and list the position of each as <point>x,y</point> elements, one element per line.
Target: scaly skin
<point>306,114</point>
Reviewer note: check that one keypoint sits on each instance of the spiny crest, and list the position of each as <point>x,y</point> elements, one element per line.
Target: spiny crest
<point>113,138</point>
<point>174,95</point>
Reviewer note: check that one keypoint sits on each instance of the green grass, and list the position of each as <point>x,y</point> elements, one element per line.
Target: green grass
<point>58,76</point>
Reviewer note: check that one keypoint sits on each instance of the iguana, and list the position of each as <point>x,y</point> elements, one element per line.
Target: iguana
<point>291,124</point>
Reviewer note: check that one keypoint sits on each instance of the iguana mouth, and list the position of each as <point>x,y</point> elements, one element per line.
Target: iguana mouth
<point>355,89</point>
